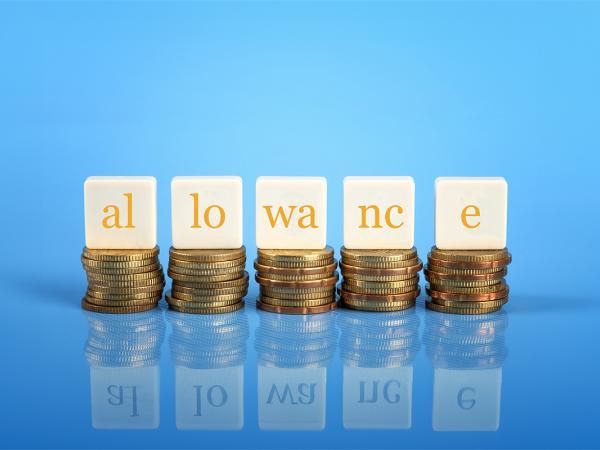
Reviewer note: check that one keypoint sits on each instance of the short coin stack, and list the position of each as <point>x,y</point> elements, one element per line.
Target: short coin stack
<point>380,280</point>
<point>467,281</point>
<point>122,281</point>
<point>207,281</point>
<point>296,281</point>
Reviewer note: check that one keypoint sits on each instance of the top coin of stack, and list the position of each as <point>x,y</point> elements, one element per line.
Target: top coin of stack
<point>380,280</point>
<point>122,281</point>
<point>207,281</point>
<point>467,281</point>
<point>296,281</point>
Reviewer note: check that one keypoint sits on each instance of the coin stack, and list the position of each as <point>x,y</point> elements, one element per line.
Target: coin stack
<point>122,281</point>
<point>296,281</point>
<point>380,280</point>
<point>207,281</point>
<point>467,281</point>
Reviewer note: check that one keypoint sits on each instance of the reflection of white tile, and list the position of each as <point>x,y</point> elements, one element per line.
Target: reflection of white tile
<point>378,397</point>
<point>209,399</point>
<point>291,399</point>
<point>120,212</point>
<point>206,212</point>
<point>125,397</point>
<point>379,212</point>
<point>466,400</point>
<point>291,212</point>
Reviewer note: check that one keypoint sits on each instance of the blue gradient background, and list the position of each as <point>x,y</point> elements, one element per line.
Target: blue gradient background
<point>299,88</point>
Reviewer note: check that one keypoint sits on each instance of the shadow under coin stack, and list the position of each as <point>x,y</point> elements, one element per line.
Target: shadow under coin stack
<point>467,281</point>
<point>296,281</point>
<point>207,281</point>
<point>122,281</point>
<point>380,280</point>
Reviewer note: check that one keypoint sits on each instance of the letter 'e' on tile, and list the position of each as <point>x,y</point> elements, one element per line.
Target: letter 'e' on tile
<point>206,212</point>
<point>120,212</point>
<point>470,213</point>
<point>379,212</point>
<point>291,212</point>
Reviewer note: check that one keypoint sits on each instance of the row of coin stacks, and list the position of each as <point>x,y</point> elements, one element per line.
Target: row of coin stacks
<point>296,269</point>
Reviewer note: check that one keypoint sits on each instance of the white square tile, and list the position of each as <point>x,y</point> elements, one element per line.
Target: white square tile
<point>120,212</point>
<point>291,212</point>
<point>379,212</point>
<point>206,212</point>
<point>470,213</point>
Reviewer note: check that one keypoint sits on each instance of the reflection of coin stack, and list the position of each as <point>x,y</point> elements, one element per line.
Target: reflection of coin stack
<point>467,353</point>
<point>380,280</point>
<point>208,342</point>
<point>131,341</point>
<point>467,281</point>
<point>122,281</point>
<point>296,281</point>
<point>207,281</point>
<point>388,340</point>
<point>295,342</point>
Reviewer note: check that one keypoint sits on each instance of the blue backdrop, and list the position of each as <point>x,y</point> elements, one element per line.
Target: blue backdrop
<point>298,88</point>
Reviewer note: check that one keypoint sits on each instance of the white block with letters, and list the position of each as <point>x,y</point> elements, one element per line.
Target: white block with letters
<point>206,212</point>
<point>379,212</point>
<point>120,212</point>
<point>470,213</point>
<point>291,212</point>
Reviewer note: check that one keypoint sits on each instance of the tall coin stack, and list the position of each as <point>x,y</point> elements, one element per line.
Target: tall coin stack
<point>296,281</point>
<point>207,281</point>
<point>122,281</point>
<point>467,281</point>
<point>380,280</point>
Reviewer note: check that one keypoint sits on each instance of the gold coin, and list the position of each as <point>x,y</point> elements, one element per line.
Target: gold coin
<point>109,278</point>
<point>496,264</point>
<point>297,303</point>
<point>217,284</point>
<point>461,283</point>
<point>126,291</point>
<point>95,264</point>
<point>296,309</point>
<point>123,297</point>
<point>467,290</point>
<point>203,303</point>
<point>213,265</point>
<point>379,307</point>
<point>267,271</point>
<point>295,264</point>
<point>296,255</point>
<point>321,283</point>
<point>127,284</point>
<point>205,272</point>
<point>207,255</point>
<point>398,273</point>
<point>413,281</point>
<point>382,264</point>
<point>498,275</point>
<point>123,303</point>
<point>380,298</point>
<point>464,272</point>
<point>469,255</point>
<point>206,299</point>
<point>216,310</point>
<point>378,291</point>
<point>205,279</point>
<point>453,310</point>
<point>120,255</point>
<point>386,255</point>
<point>471,305</point>
<point>116,310</point>
<point>378,279</point>
<point>123,271</point>
<point>467,297</point>
<point>237,290</point>
<point>296,294</point>
<point>293,278</point>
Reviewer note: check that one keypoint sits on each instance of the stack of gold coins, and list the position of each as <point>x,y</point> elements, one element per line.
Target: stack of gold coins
<point>122,281</point>
<point>207,281</point>
<point>380,280</point>
<point>467,281</point>
<point>296,281</point>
